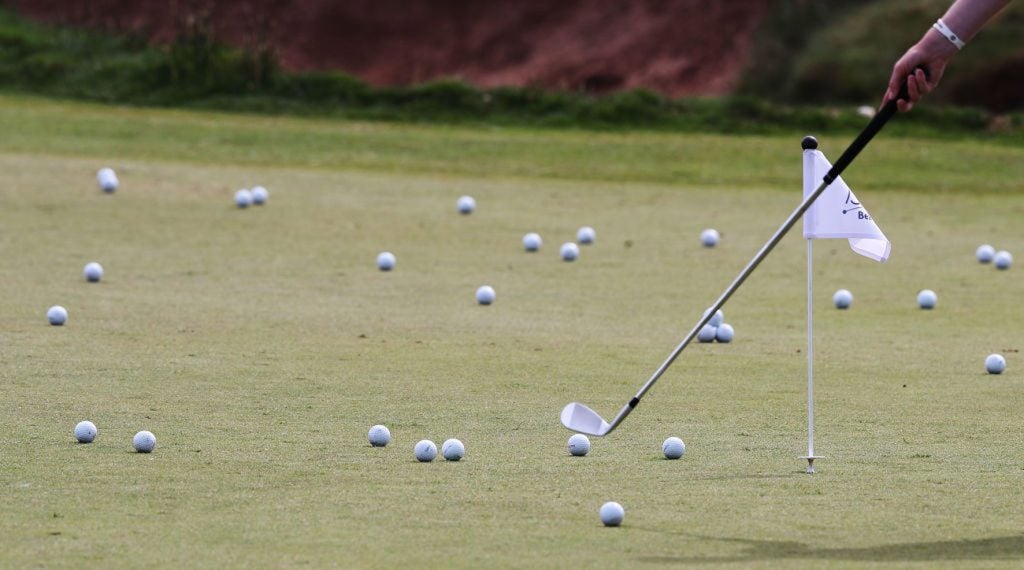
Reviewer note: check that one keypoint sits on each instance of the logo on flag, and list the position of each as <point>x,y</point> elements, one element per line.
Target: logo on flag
<point>838,214</point>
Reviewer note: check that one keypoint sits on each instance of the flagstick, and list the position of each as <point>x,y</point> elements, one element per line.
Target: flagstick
<point>809,144</point>
<point>810,357</point>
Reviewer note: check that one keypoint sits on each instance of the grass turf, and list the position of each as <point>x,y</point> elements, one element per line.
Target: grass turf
<point>260,345</point>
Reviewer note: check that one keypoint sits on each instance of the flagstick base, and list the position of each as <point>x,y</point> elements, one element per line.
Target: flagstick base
<point>810,462</point>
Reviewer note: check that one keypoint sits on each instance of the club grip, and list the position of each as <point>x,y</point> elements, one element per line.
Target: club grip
<point>877,122</point>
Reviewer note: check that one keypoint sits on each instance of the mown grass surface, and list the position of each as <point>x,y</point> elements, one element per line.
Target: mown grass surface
<point>260,345</point>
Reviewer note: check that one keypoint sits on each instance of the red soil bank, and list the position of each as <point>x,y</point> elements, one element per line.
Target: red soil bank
<point>676,47</point>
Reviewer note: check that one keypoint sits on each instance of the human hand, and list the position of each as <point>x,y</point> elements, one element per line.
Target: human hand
<point>921,67</point>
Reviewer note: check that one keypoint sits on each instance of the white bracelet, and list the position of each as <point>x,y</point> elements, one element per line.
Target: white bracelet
<point>943,29</point>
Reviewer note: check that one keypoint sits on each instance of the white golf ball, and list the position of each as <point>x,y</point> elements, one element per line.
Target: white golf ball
<point>425,451</point>
<point>386,261</point>
<point>673,448</point>
<point>985,253</point>
<point>259,195</point>
<point>579,445</point>
<point>532,242</point>
<point>725,333</point>
<point>93,272</point>
<point>144,441</point>
<point>453,450</point>
<point>842,299</point>
<point>709,237</point>
<point>57,315</point>
<point>85,432</point>
<point>569,251</point>
<point>612,514</point>
<point>485,295</point>
<point>466,205</point>
<point>107,180</point>
<point>995,364</point>
<point>243,198</point>
<point>379,436</point>
<point>586,235</point>
<point>717,319</point>
<point>707,333</point>
<point>927,299</point>
<point>1003,260</point>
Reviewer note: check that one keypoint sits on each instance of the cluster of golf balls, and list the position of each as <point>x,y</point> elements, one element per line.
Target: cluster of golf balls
<point>612,513</point>
<point>717,330</point>
<point>532,242</point>
<point>452,450</point>
<point>425,450</point>
<point>928,299</point>
<point>143,442</point>
<point>255,196</point>
<point>988,254</point>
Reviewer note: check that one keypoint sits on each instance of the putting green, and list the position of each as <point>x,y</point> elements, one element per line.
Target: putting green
<point>260,345</point>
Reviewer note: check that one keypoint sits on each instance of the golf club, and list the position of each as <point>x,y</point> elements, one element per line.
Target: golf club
<point>579,418</point>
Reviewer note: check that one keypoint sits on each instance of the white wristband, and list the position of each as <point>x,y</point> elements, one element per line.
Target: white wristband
<point>943,29</point>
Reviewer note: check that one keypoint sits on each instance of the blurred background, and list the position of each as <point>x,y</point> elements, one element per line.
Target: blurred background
<point>566,62</point>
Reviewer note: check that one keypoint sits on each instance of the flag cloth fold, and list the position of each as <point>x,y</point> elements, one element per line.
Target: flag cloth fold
<point>838,214</point>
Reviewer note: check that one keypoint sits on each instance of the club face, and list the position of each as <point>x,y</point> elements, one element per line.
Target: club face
<point>582,419</point>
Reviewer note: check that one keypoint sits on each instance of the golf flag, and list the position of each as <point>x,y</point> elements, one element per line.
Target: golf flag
<point>838,214</point>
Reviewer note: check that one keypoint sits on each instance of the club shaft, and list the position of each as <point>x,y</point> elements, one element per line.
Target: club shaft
<point>865,136</point>
<point>768,247</point>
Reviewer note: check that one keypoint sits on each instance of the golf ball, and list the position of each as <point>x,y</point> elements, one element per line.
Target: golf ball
<point>93,272</point>
<point>985,253</point>
<point>579,445</point>
<point>532,242</point>
<point>243,198</point>
<point>569,251</point>
<point>57,315</point>
<point>85,431</point>
<point>673,448</point>
<point>612,513</point>
<point>425,451</point>
<point>707,333</point>
<point>586,235</point>
<point>386,261</point>
<point>717,319</point>
<point>107,180</point>
<point>453,450</point>
<point>485,295</point>
<point>995,364</point>
<point>144,441</point>
<point>709,237</point>
<point>926,299</point>
<point>259,195</point>
<point>466,205</point>
<point>379,436</point>
<point>842,299</point>
<point>724,333</point>
<point>1003,260</point>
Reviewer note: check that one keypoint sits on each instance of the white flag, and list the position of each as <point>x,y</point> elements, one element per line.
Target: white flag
<point>838,214</point>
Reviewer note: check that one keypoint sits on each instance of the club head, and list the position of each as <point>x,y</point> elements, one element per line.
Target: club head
<point>582,419</point>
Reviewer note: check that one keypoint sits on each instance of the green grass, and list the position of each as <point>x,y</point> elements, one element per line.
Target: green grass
<point>260,345</point>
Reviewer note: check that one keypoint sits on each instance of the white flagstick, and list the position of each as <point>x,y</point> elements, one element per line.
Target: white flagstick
<point>809,144</point>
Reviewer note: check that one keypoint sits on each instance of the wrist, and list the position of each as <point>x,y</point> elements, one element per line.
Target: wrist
<point>934,44</point>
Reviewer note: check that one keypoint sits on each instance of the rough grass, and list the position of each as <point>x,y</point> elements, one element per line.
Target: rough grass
<point>260,345</point>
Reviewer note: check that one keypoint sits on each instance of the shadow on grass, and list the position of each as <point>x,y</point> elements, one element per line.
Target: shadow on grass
<point>999,548</point>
